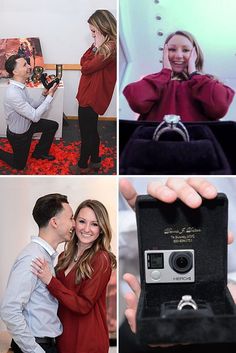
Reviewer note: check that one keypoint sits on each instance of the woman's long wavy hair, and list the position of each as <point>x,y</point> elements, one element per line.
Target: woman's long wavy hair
<point>84,268</point>
<point>200,57</point>
<point>105,22</point>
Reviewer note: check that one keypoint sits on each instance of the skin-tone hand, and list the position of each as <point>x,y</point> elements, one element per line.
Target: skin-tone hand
<point>192,61</point>
<point>51,91</point>
<point>232,289</point>
<point>190,191</point>
<point>99,39</point>
<point>132,303</point>
<point>132,298</point>
<point>45,92</point>
<point>41,269</point>
<point>166,61</point>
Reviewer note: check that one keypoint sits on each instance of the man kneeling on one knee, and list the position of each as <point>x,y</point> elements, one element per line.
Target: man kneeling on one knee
<point>23,116</point>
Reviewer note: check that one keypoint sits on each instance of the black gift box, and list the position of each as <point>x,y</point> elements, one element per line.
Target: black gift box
<point>203,231</point>
<point>208,152</point>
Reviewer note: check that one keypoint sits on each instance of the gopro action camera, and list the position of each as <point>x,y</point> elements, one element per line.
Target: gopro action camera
<point>169,266</point>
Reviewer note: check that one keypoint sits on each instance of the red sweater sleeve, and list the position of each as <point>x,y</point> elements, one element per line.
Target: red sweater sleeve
<point>91,62</point>
<point>90,290</point>
<point>215,97</point>
<point>143,94</point>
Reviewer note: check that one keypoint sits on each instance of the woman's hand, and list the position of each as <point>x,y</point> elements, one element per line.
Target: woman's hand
<point>41,269</point>
<point>99,39</point>
<point>166,61</point>
<point>192,61</point>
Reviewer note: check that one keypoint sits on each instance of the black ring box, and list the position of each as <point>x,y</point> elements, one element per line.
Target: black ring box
<point>163,226</point>
<point>209,151</point>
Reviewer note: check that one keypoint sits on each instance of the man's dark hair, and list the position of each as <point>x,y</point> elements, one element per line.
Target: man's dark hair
<point>10,64</point>
<point>47,207</point>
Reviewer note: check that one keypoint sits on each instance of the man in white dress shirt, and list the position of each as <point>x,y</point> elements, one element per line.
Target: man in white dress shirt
<point>28,309</point>
<point>23,116</point>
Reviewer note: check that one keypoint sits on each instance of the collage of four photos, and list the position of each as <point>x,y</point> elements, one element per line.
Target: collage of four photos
<point>117,176</point>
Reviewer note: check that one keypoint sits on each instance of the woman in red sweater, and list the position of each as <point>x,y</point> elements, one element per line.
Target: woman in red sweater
<point>97,83</point>
<point>181,87</point>
<point>82,274</point>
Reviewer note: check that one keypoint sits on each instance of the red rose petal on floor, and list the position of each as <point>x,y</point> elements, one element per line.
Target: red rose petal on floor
<point>67,156</point>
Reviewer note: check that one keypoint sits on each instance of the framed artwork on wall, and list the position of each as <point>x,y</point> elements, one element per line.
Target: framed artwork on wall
<point>29,48</point>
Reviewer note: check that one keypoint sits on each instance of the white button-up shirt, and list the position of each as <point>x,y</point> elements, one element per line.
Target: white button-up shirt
<point>28,309</point>
<point>20,109</point>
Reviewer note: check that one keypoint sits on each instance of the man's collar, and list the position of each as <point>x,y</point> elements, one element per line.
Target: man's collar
<point>45,245</point>
<point>17,83</point>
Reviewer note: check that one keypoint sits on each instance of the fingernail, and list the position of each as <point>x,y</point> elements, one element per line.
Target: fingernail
<point>193,200</point>
<point>166,192</point>
<point>210,191</point>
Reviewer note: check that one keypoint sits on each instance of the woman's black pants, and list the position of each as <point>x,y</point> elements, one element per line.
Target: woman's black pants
<point>90,140</point>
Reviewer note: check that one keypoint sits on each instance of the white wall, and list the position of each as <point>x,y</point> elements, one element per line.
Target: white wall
<point>19,194</point>
<point>63,30</point>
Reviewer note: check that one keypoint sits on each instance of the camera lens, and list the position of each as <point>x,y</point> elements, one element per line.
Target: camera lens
<point>181,261</point>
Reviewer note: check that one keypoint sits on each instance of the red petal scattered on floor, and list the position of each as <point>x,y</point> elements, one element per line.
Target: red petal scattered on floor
<point>67,156</point>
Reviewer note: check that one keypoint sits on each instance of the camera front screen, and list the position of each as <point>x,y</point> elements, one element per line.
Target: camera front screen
<point>156,260</point>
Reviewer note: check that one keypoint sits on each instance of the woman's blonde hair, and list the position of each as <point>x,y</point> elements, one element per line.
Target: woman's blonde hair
<point>84,268</point>
<point>191,38</point>
<point>105,22</point>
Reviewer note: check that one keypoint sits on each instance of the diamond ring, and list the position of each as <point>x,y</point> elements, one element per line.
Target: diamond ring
<point>187,300</point>
<point>171,123</point>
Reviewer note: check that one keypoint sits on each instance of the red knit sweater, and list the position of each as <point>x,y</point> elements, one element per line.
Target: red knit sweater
<point>82,308</point>
<point>97,81</point>
<point>201,98</point>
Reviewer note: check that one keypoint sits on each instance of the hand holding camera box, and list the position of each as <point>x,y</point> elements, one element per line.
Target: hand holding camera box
<point>183,269</point>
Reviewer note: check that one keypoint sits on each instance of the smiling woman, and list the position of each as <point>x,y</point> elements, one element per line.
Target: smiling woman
<point>181,87</point>
<point>182,54</point>
<point>142,42</point>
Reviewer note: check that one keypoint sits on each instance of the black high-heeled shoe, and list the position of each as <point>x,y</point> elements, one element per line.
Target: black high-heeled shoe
<point>56,80</point>
<point>45,82</point>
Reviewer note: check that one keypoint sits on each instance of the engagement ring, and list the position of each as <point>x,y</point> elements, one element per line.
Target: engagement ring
<point>171,123</point>
<point>187,300</point>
